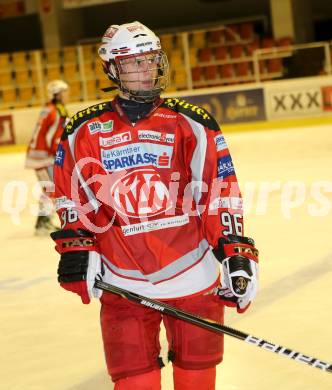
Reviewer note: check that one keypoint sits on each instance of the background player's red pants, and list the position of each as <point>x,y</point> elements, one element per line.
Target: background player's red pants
<point>131,336</point>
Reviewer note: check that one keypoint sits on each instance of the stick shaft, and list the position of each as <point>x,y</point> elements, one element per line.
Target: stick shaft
<point>214,326</point>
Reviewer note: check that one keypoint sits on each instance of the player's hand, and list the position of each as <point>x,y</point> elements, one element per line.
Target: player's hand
<point>239,281</point>
<point>77,272</point>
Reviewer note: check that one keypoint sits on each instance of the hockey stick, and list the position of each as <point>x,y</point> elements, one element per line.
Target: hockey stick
<point>213,326</point>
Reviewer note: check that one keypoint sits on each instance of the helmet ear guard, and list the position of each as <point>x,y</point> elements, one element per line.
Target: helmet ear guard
<point>110,70</point>
<point>113,71</point>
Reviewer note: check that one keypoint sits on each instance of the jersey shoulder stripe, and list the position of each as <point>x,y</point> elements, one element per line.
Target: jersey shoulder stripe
<point>197,113</point>
<point>83,116</point>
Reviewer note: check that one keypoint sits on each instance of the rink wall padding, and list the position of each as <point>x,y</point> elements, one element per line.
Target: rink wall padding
<point>265,105</point>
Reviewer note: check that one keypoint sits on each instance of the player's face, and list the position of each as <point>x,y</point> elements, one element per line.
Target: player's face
<point>139,73</point>
<point>63,96</point>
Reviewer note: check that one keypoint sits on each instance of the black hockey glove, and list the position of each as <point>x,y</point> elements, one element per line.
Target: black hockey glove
<point>80,263</point>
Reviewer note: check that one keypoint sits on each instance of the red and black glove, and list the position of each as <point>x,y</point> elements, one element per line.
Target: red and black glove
<point>80,263</point>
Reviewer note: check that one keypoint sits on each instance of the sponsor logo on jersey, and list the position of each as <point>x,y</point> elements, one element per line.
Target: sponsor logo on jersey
<point>59,156</point>
<point>220,142</point>
<point>226,203</point>
<point>107,127</point>
<point>116,139</point>
<point>80,116</point>
<point>225,167</point>
<point>149,226</point>
<point>102,127</point>
<point>137,155</point>
<point>151,135</point>
<point>63,203</point>
<point>94,127</point>
<point>140,193</point>
<point>166,116</point>
<point>172,102</point>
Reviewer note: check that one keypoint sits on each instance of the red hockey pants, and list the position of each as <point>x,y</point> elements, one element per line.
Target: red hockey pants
<point>131,339</point>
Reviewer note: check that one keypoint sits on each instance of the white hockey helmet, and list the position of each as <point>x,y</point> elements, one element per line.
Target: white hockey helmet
<point>54,87</point>
<point>134,40</point>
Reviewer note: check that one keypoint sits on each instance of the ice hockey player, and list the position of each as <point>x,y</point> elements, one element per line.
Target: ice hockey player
<point>149,201</point>
<point>43,146</point>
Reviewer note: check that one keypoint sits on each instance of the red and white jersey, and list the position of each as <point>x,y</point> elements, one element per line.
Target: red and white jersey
<point>157,194</point>
<point>44,143</point>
